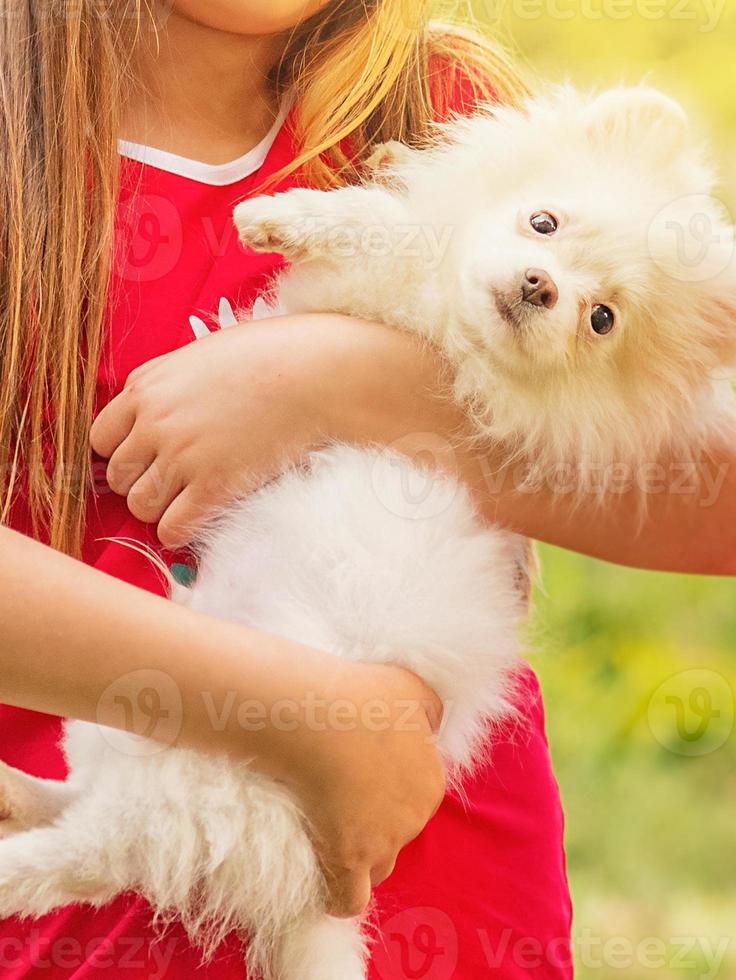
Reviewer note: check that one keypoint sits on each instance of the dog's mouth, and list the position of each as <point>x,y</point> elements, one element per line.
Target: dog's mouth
<point>511,313</point>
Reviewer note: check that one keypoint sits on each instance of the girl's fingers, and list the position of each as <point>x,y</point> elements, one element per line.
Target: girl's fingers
<point>151,495</point>
<point>350,897</point>
<point>128,464</point>
<point>382,872</point>
<point>183,515</point>
<point>113,425</point>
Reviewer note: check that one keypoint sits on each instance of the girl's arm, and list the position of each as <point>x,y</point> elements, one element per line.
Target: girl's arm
<point>396,391</point>
<point>77,643</point>
<point>689,527</point>
<point>295,381</point>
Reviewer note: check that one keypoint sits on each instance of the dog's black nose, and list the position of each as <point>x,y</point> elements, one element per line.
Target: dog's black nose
<point>539,288</point>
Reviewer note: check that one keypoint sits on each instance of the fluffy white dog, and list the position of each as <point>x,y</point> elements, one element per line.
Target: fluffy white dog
<point>548,253</point>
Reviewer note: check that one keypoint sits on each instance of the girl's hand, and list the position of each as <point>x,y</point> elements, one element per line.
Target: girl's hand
<point>369,787</point>
<point>356,747</point>
<point>196,427</point>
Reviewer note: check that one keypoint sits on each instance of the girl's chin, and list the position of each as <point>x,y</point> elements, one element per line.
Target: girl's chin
<point>247,17</point>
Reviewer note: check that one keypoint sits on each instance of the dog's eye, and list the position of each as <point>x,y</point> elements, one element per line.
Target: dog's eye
<point>602,319</point>
<point>544,223</point>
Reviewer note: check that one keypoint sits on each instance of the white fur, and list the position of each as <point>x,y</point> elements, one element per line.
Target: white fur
<point>372,558</point>
<point>343,556</point>
<point>430,243</point>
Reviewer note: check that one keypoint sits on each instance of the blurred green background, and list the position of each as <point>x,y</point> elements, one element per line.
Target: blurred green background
<point>636,666</point>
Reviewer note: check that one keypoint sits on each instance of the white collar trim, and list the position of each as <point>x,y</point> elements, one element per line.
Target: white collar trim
<point>215,174</point>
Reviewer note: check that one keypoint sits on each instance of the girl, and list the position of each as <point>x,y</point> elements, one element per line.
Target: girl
<point>110,269</point>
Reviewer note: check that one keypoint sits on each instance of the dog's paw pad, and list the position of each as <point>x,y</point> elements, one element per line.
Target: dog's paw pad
<point>263,237</point>
<point>271,225</point>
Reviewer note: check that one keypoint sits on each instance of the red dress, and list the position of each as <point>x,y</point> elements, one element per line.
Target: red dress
<point>482,892</point>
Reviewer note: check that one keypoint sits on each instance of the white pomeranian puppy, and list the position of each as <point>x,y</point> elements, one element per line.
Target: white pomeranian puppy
<point>547,252</point>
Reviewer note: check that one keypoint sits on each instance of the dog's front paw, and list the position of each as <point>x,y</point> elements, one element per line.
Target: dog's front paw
<point>269,224</point>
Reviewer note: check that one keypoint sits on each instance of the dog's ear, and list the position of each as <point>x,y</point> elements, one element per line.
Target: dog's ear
<point>639,116</point>
<point>384,164</point>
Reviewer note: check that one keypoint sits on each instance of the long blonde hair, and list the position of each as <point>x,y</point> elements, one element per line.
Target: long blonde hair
<point>358,70</point>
